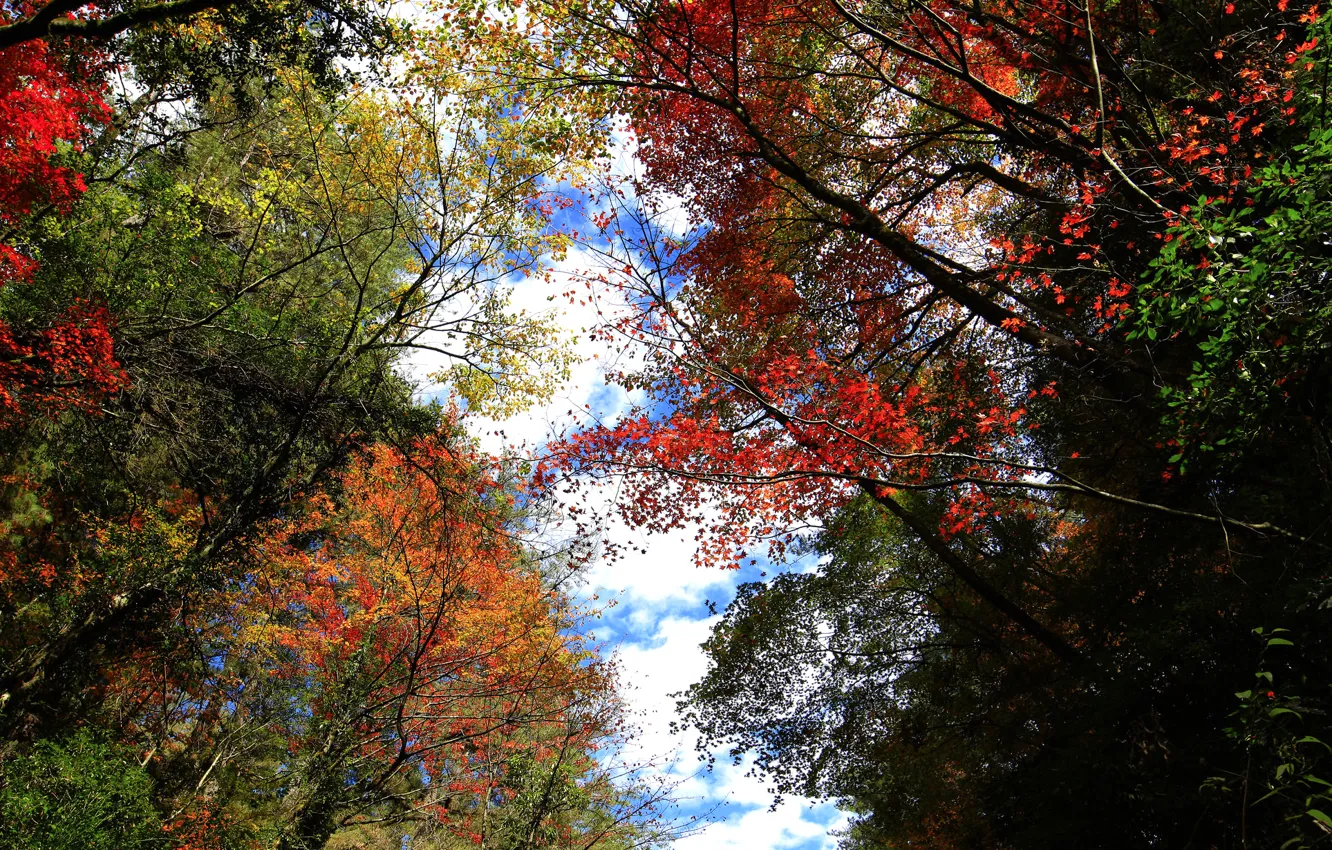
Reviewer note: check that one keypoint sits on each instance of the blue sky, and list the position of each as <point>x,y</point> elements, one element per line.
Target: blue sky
<point>656,629</point>
<point>653,599</point>
<point>655,615</point>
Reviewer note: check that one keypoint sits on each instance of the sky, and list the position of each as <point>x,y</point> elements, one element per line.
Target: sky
<point>656,630</point>
<point>654,609</point>
<point>655,614</point>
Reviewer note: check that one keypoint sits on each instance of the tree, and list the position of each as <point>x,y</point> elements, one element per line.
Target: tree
<point>430,650</point>
<point>77,793</point>
<point>49,102</point>
<point>810,297</point>
<point>390,659</point>
<point>880,681</point>
<point>59,59</point>
<point>956,259</point>
<point>267,278</point>
<point>204,43</point>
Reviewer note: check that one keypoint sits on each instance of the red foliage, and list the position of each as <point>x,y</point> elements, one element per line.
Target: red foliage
<point>202,825</point>
<point>849,319</point>
<point>401,624</point>
<point>49,99</point>
<point>420,624</point>
<point>68,366</point>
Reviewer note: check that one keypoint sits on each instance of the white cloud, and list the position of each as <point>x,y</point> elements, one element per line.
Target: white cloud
<point>585,394</point>
<point>790,825</point>
<point>666,661</point>
<point>658,621</point>
<point>666,573</point>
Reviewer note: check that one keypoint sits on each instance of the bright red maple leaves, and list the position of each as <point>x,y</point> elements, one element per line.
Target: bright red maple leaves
<point>50,101</point>
<point>50,98</point>
<point>67,366</point>
<point>860,303</point>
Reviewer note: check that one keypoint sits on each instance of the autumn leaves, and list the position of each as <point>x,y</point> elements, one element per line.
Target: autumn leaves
<point>1013,312</point>
<point>239,548</point>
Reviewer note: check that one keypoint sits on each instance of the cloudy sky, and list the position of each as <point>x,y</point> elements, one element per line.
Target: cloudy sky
<point>654,616</point>
<point>654,610</point>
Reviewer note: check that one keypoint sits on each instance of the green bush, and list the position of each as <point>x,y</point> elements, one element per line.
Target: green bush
<point>79,793</point>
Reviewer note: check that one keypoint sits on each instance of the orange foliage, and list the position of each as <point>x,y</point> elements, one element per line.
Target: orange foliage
<point>399,614</point>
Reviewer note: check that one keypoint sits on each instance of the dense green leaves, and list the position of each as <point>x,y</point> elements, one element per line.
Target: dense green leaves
<point>77,792</point>
<point>1247,284</point>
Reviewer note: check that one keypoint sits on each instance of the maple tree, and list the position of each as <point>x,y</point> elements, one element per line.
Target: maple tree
<point>445,661</point>
<point>854,307</point>
<point>399,660</point>
<point>391,661</point>
<point>984,264</point>
<point>284,602</point>
<point>49,100</point>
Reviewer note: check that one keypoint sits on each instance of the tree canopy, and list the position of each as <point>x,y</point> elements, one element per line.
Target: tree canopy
<point>1018,305</point>
<point>1010,317</point>
<point>255,590</point>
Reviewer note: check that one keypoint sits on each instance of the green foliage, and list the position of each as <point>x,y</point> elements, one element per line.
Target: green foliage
<point>878,681</point>
<point>1245,283</point>
<point>77,793</point>
<point>237,44</point>
<point>834,681</point>
<point>1280,778</point>
<point>566,799</point>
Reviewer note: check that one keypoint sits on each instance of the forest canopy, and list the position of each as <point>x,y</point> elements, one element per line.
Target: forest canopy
<point>1003,317</point>
<point>255,589</point>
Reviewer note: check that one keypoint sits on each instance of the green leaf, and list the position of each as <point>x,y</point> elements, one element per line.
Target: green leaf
<point>1310,739</point>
